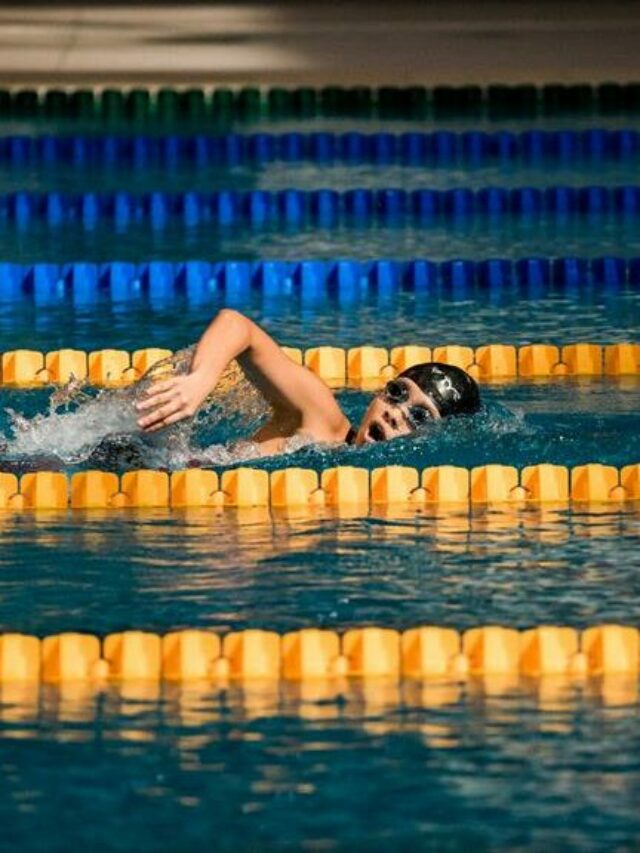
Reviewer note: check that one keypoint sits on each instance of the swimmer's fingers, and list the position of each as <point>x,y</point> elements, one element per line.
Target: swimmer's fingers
<point>164,385</point>
<point>157,400</point>
<point>150,398</point>
<point>167,421</point>
<point>158,417</point>
<point>175,398</point>
<point>174,408</point>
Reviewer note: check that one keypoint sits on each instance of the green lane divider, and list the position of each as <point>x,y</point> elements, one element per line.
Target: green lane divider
<point>250,103</point>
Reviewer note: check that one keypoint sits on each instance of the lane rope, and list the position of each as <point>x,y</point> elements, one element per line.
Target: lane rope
<point>354,490</point>
<point>365,366</point>
<point>250,103</point>
<point>82,283</point>
<point>296,208</point>
<point>427,652</point>
<point>475,149</point>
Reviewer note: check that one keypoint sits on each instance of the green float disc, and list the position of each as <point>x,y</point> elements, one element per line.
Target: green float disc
<point>138,105</point>
<point>633,97</point>
<point>417,101</point>
<point>112,105</point>
<point>360,101</point>
<point>389,102</point>
<point>5,103</point>
<point>193,105</point>
<point>26,103</point>
<point>82,103</point>
<point>610,99</point>
<point>279,103</point>
<point>525,103</point>
<point>222,104</point>
<point>167,104</point>
<point>334,101</point>
<point>55,104</point>
<point>305,102</point>
<point>248,103</point>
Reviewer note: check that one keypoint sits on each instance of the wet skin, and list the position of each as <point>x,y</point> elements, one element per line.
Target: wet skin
<point>385,419</point>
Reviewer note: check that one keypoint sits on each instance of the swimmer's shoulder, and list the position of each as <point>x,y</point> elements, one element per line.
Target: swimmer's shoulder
<point>327,424</point>
<point>303,438</point>
<point>327,433</point>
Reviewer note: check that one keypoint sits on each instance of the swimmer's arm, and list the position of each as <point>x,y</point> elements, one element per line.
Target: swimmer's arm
<point>299,398</point>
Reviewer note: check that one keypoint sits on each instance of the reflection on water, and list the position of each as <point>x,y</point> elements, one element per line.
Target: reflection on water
<point>489,698</point>
<point>463,237</point>
<point>494,763</point>
<point>224,123</point>
<point>225,569</point>
<point>566,422</point>
<point>104,177</point>
<point>99,427</point>
<point>511,764</point>
<point>470,317</point>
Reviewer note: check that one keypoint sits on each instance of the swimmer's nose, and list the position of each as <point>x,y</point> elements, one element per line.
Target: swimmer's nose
<point>390,418</point>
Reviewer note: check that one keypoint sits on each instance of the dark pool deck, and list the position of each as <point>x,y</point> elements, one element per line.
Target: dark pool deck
<point>312,42</point>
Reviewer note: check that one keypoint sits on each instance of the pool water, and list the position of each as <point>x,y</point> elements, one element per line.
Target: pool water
<point>475,238</point>
<point>566,422</point>
<point>307,176</point>
<point>497,764</point>
<point>472,317</point>
<point>310,124</point>
<point>236,569</point>
<point>264,771</point>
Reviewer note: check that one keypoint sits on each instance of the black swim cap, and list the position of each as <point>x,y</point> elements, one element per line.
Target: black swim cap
<point>452,389</point>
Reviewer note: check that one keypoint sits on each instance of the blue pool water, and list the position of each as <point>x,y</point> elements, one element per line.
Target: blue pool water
<point>280,176</point>
<point>554,315</point>
<point>497,765</point>
<point>237,569</point>
<point>471,238</point>
<point>263,124</point>
<point>264,772</point>
<point>567,422</point>
<point>445,765</point>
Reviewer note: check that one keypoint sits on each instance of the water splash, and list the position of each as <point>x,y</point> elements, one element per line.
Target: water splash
<point>85,428</point>
<point>81,426</point>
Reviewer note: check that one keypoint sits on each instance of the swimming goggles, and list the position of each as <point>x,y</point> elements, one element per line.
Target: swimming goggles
<point>396,392</point>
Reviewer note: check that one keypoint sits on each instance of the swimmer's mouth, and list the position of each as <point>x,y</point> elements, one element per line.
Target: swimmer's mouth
<point>376,433</point>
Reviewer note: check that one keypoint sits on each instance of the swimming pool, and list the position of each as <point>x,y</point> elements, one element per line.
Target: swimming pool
<point>495,759</point>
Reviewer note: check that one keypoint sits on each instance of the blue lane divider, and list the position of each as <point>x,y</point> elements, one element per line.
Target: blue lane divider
<point>259,209</point>
<point>83,283</point>
<point>440,148</point>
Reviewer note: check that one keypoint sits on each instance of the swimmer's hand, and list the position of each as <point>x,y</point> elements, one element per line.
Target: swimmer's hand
<point>171,400</point>
<point>296,394</point>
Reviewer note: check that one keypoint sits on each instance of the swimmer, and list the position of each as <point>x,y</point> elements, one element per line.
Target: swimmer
<point>302,405</point>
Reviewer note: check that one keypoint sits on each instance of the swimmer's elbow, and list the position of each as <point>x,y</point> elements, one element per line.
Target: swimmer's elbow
<point>230,315</point>
<point>245,337</point>
<point>235,325</point>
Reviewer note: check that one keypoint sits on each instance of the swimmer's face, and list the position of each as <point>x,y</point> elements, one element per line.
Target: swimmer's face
<point>400,409</point>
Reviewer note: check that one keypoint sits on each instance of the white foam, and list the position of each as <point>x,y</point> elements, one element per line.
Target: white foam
<point>79,424</point>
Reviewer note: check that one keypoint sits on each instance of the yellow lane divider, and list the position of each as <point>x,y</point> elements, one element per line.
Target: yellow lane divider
<point>340,487</point>
<point>422,652</point>
<point>366,364</point>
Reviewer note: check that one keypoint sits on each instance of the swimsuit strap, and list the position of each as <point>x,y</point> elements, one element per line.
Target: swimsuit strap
<point>350,437</point>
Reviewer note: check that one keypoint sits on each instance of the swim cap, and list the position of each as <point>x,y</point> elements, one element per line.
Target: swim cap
<point>452,390</point>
